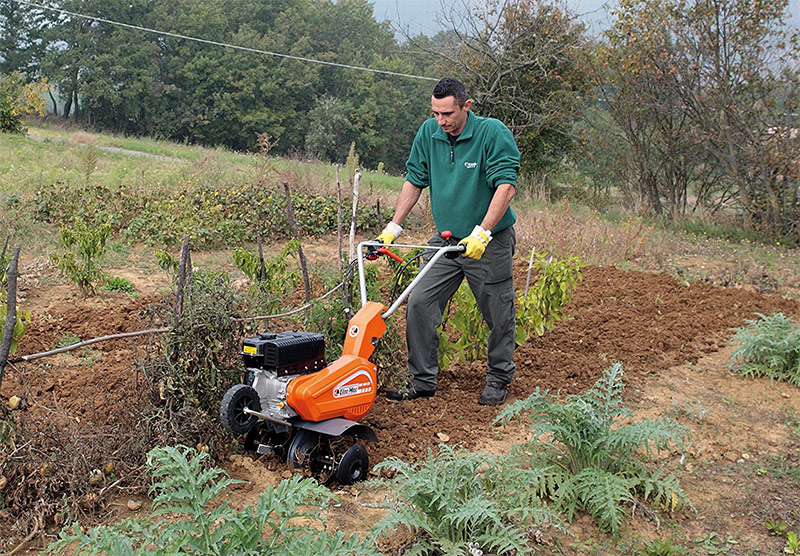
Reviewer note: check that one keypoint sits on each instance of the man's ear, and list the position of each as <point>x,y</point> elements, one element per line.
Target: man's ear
<point>467,103</point>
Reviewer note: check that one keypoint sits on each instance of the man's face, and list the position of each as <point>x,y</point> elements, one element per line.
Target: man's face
<point>449,115</point>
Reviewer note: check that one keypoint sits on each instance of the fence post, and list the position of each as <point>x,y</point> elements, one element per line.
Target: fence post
<point>356,180</point>
<point>11,311</point>
<point>296,235</point>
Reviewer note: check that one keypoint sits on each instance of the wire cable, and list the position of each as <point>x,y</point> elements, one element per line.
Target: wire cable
<point>222,44</point>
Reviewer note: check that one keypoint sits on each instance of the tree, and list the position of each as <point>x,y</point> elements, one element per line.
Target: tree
<point>706,92</point>
<point>17,38</point>
<point>18,98</point>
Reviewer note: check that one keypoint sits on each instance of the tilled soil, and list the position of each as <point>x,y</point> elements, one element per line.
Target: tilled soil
<point>649,322</point>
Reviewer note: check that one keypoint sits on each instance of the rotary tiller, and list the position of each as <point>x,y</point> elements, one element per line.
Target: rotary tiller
<point>298,407</point>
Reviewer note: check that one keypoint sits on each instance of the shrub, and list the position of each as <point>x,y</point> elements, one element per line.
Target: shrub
<point>83,244</point>
<point>23,319</point>
<point>769,347</point>
<point>18,99</point>
<point>118,284</point>
<point>186,492</point>
<point>590,459</point>
<point>199,358</point>
<point>462,502</point>
<point>278,280</point>
<point>538,310</point>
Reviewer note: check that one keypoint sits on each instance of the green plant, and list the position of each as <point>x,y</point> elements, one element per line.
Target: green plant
<point>118,284</point>
<point>591,457</point>
<point>712,544</point>
<point>792,543</point>
<point>538,310</point>
<point>543,304</point>
<point>462,502</point>
<point>83,244</point>
<point>18,99</point>
<point>23,319</point>
<point>769,347</point>
<point>187,519</point>
<point>277,280</point>
<point>465,318</point>
<point>167,262</point>
<point>776,527</point>
<point>198,360</point>
<point>660,547</point>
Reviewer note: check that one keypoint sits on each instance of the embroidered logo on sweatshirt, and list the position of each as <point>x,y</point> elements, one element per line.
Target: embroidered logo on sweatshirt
<point>470,165</point>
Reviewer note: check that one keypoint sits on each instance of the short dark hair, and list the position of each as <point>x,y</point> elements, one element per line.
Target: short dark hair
<point>451,87</point>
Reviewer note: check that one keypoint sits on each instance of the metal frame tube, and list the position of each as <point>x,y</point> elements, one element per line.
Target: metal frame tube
<point>440,251</point>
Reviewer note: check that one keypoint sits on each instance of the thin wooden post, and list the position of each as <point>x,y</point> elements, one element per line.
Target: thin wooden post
<point>184,275</point>
<point>11,311</point>
<point>262,269</point>
<point>356,180</point>
<point>296,235</point>
<point>339,219</point>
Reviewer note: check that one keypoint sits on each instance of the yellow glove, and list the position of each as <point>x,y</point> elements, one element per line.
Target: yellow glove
<point>390,233</point>
<point>476,242</point>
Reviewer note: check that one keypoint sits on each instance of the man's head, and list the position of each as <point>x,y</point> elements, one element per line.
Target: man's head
<point>450,105</point>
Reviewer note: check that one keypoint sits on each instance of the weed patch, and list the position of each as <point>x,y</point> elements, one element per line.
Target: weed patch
<point>769,347</point>
<point>186,491</point>
<point>592,464</point>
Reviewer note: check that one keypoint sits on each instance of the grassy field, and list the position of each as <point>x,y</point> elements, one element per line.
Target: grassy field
<point>52,157</point>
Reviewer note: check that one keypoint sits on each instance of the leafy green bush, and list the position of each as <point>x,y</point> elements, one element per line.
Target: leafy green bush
<point>537,310</point>
<point>186,492</point>
<point>118,284</point>
<point>590,459</point>
<point>466,320</point>
<point>544,303</point>
<point>23,319</point>
<point>83,244</point>
<point>212,217</point>
<point>769,347</point>
<point>461,502</point>
<point>18,99</point>
<point>278,280</point>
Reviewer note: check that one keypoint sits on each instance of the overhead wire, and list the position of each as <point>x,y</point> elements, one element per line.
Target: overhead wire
<point>219,43</point>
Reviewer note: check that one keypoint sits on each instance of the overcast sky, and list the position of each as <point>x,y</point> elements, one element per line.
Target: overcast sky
<point>420,15</point>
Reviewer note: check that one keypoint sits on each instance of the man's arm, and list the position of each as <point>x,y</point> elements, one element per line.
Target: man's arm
<point>498,207</point>
<point>409,196</point>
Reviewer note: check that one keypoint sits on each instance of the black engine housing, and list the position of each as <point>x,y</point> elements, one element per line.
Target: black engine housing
<point>285,353</point>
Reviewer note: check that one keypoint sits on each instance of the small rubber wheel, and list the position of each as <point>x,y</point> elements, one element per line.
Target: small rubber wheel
<point>354,465</point>
<point>231,409</point>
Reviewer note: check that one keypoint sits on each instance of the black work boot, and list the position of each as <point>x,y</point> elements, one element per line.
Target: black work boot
<point>408,392</point>
<point>495,393</point>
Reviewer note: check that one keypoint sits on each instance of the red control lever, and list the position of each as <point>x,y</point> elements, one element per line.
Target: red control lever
<point>447,234</point>
<point>385,251</point>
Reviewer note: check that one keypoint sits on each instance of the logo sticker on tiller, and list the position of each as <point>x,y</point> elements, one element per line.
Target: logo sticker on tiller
<point>347,388</point>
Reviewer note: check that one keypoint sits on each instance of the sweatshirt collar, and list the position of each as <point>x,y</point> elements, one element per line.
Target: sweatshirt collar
<point>465,134</point>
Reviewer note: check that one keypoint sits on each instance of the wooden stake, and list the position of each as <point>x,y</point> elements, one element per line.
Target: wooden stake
<point>296,235</point>
<point>339,219</point>
<point>356,180</point>
<point>11,311</point>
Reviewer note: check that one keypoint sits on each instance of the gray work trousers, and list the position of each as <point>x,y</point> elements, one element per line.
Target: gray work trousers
<point>491,280</point>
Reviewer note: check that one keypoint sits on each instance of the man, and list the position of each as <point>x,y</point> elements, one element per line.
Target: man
<point>470,164</point>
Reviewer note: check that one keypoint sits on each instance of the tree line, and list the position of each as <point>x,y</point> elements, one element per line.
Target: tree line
<point>681,106</point>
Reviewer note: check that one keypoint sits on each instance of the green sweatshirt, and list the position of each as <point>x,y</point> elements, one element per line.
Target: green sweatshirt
<point>463,178</point>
